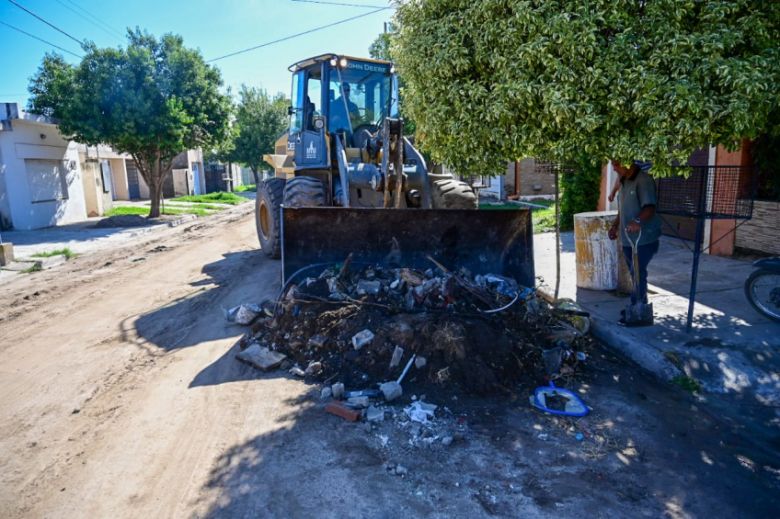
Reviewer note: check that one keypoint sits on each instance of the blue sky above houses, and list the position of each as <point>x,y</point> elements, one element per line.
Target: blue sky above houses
<point>215,28</point>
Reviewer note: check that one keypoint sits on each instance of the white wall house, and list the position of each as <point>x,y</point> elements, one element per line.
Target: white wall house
<point>41,181</point>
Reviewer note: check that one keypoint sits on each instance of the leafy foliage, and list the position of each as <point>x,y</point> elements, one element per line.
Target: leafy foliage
<point>490,81</point>
<point>260,120</point>
<point>153,100</point>
<point>380,48</point>
<point>580,189</point>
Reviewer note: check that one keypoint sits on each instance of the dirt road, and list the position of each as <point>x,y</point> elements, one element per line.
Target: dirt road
<point>122,399</point>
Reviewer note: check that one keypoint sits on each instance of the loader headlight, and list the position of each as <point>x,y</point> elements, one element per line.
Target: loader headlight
<point>343,62</point>
<point>333,62</point>
<point>392,69</point>
<point>319,123</point>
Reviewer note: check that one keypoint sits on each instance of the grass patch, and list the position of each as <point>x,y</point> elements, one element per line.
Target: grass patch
<point>34,268</point>
<point>123,210</point>
<point>687,383</point>
<point>219,197</point>
<point>245,187</point>
<point>195,205</point>
<point>65,251</point>
<point>543,218</point>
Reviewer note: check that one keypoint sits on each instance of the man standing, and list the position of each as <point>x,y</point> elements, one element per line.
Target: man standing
<point>638,222</point>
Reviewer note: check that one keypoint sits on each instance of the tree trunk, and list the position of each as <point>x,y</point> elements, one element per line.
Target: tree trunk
<point>254,174</point>
<point>155,188</point>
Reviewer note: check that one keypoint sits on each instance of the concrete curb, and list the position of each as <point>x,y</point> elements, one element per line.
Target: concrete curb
<point>621,340</point>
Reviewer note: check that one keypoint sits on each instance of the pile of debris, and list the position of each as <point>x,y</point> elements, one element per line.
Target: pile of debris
<point>372,330</point>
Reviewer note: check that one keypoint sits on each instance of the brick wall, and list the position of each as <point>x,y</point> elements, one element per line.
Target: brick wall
<point>761,233</point>
<point>533,181</point>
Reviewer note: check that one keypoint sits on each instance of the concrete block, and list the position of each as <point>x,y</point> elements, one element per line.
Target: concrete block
<point>375,414</point>
<point>398,354</point>
<point>391,390</point>
<point>261,357</point>
<point>338,390</point>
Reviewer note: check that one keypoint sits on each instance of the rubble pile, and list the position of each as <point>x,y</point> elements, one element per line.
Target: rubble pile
<point>365,326</point>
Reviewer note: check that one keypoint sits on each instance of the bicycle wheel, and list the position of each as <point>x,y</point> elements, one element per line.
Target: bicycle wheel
<point>762,289</point>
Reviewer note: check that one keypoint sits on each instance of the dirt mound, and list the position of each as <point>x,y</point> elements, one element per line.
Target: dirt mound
<point>483,334</point>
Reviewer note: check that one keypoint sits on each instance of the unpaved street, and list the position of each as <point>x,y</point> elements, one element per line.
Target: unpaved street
<point>122,398</point>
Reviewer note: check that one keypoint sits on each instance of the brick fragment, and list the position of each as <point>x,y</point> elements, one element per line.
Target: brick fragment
<point>339,409</point>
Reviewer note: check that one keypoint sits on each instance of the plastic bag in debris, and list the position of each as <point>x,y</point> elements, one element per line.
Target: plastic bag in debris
<point>243,314</point>
<point>420,411</point>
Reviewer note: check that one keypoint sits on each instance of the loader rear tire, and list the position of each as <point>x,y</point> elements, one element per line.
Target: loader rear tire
<point>452,194</point>
<point>304,192</point>
<point>270,194</point>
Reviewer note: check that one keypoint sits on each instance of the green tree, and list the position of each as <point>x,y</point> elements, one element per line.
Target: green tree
<point>380,48</point>
<point>153,99</point>
<point>260,120</point>
<point>495,80</point>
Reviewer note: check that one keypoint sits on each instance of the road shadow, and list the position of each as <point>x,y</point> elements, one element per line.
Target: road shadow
<point>645,452</point>
<point>239,277</point>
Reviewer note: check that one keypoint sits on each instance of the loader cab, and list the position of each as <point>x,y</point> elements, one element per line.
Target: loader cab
<point>337,95</point>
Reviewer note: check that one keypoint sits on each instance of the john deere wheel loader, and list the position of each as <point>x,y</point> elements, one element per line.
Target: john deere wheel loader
<point>347,180</point>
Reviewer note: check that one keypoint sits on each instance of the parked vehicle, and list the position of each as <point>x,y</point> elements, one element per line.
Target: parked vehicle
<point>762,287</point>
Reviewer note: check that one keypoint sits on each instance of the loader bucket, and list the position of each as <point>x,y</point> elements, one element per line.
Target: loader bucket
<point>496,241</point>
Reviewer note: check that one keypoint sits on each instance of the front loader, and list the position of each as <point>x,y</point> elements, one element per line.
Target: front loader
<point>346,180</point>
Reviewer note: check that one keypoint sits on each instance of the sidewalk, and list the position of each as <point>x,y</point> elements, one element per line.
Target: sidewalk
<point>732,351</point>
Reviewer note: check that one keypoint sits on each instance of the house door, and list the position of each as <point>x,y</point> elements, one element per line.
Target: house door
<point>133,187</point>
<point>196,178</point>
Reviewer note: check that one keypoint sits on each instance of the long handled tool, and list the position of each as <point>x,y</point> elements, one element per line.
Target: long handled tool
<point>639,312</point>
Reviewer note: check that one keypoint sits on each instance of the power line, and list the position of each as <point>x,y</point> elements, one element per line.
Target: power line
<point>47,23</point>
<point>343,4</point>
<point>345,20</point>
<point>41,39</point>
<point>86,15</point>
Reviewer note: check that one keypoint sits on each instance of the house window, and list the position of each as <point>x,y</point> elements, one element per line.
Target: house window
<point>46,180</point>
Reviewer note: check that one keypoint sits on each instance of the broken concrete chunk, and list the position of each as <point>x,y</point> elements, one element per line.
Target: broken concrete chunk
<point>314,368</point>
<point>298,372</point>
<point>243,314</point>
<point>375,414</point>
<point>338,390</point>
<point>317,341</point>
<point>368,287</point>
<point>326,393</point>
<point>362,338</point>
<point>358,401</point>
<point>443,375</point>
<point>261,357</point>
<point>391,390</point>
<point>420,362</point>
<point>398,354</point>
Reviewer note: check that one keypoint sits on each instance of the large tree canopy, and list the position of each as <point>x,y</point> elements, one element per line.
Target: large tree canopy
<point>497,80</point>
<point>153,100</point>
<point>260,121</point>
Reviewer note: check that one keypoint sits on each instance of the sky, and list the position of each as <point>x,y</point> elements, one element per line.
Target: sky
<point>215,28</point>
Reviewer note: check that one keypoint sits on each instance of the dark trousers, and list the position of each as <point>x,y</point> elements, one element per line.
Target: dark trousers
<point>645,253</point>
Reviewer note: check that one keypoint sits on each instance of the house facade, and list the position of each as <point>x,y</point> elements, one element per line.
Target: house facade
<point>41,180</point>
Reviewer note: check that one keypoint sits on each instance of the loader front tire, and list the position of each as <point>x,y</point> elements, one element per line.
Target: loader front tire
<point>270,194</point>
<point>304,192</point>
<point>452,194</point>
